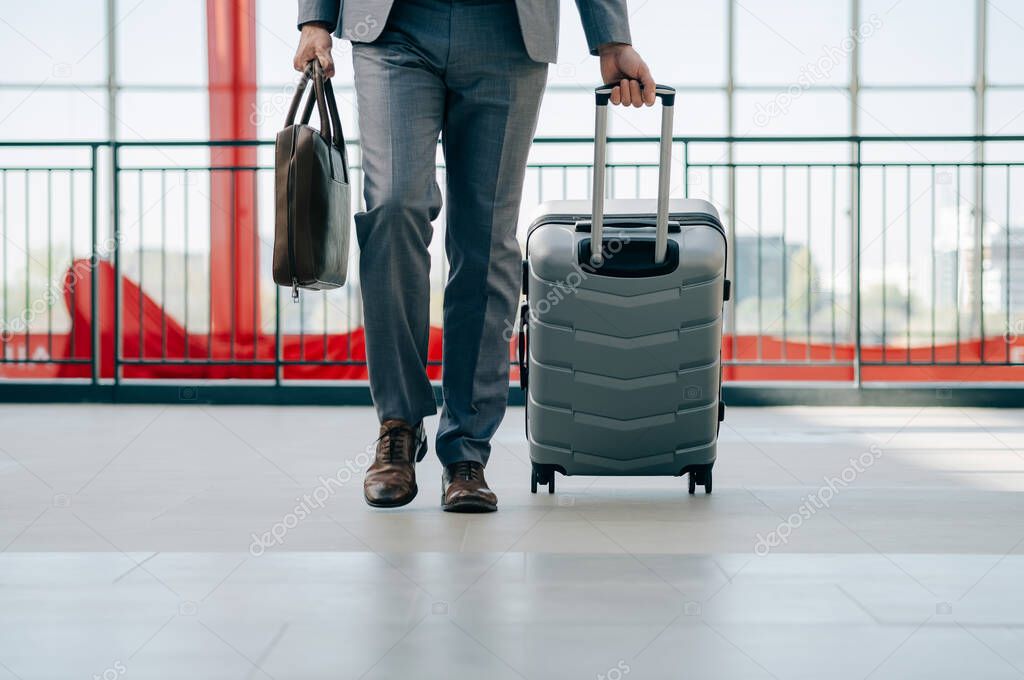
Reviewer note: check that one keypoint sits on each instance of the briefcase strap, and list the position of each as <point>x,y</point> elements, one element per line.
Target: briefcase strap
<point>327,108</point>
<point>300,91</point>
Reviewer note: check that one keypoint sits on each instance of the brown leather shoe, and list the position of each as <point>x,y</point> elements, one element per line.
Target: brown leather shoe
<point>391,479</point>
<point>464,489</point>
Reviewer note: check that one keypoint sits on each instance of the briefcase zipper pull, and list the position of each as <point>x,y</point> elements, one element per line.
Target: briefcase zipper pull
<point>295,290</point>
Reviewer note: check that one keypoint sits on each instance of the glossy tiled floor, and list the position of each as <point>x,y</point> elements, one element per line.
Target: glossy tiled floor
<point>223,542</point>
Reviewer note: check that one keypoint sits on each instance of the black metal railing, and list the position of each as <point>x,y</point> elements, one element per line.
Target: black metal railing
<point>853,259</point>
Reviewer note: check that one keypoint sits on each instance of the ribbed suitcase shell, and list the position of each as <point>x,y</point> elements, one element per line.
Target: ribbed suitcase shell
<point>624,373</point>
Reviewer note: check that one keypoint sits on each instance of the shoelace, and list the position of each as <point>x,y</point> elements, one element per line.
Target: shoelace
<point>395,441</point>
<point>467,470</point>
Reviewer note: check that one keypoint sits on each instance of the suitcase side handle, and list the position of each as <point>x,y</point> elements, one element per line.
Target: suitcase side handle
<point>602,96</point>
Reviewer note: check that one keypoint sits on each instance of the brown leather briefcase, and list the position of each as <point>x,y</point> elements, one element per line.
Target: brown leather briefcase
<point>312,193</point>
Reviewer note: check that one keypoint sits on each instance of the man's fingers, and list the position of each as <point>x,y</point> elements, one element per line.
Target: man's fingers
<point>326,62</point>
<point>624,87</point>
<point>634,93</point>
<point>616,95</point>
<point>649,85</point>
<point>304,56</point>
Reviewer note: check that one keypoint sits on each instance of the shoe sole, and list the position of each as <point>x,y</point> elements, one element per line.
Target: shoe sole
<point>392,504</point>
<point>469,506</point>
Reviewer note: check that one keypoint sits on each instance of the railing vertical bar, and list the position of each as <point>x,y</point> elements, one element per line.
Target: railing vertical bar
<point>28,268</point>
<point>141,293</point>
<point>934,285</point>
<point>979,252</point>
<point>956,264</point>
<point>323,297</point>
<point>910,204</point>
<point>277,335</point>
<point>832,263</point>
<point>118,348</point>
<point>302,315</point>
<point>856,189</point>
<point>348,323</point>
<point>163,264</point>
<point>686,169</point>
<point>760,264</point>
<point>348,289</point>
<point>49,262</point>
<point>302,327</point>
<point>885,263</point>
<point>257,326</point>
<point>209,284</point>
<point>1006,267</point>
<point>94,265</point>
<point>5,331</point>
<point>185,223</point>
<point>72,271</point>
<point>810,266</point>
<point>233,178</point>
<point>785,265</point>
<point>731,264</point>
<point>711,185</point>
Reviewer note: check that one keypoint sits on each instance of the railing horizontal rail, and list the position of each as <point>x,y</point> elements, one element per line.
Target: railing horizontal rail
<point>554,139</point>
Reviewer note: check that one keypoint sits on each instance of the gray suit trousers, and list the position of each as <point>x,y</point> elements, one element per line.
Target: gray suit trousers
<point>458,70</point>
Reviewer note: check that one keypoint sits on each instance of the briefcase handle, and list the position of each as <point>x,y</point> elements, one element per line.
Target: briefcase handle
<point>603,95</point>
<point>327,108</point>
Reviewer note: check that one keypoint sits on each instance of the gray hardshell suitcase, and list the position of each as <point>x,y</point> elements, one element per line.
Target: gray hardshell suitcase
<point>620,346</point>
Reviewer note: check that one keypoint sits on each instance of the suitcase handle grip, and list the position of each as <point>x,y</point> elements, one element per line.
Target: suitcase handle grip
<point>602,95</point>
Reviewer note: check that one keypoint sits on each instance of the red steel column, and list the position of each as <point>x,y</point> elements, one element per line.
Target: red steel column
<point>234,251</point>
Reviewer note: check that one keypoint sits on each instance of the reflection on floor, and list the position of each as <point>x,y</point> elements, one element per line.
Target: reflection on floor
<point>232,542</point>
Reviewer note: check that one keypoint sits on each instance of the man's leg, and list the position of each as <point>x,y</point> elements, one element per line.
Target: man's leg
<point>401,109</point>
<point>494,97</point>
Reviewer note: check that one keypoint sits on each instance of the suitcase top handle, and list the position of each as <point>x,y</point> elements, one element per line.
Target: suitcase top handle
<point>603,95</point>
<point>666,94</point>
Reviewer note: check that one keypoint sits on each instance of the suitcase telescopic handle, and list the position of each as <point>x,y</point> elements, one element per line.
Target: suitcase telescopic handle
<point>603,95</point>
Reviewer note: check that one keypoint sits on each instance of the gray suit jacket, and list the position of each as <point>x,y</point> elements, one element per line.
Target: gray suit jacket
<point>604,21</point>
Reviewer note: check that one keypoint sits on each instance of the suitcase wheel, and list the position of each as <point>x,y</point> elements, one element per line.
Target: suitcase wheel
<point>542,474</point>
<point>701,476</point>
